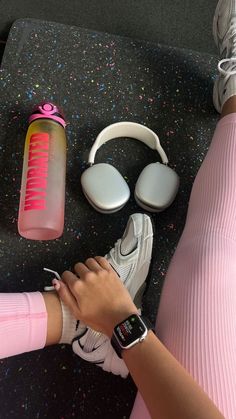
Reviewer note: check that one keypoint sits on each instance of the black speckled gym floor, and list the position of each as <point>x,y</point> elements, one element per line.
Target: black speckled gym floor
<point>97,79</point>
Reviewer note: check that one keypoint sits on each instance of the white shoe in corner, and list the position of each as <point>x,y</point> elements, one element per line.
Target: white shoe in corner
<point>131,258</point>
<point>224,32</point>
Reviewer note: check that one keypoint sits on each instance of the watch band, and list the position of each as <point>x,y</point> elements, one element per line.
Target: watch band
<point>117,346</point>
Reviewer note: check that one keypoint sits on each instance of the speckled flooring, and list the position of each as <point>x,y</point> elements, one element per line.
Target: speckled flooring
<point>97,79</point>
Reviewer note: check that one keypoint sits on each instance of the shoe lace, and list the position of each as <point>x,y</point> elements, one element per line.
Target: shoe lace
<point>227,72</point>
<point>56,274</point>
<point>230,34</point>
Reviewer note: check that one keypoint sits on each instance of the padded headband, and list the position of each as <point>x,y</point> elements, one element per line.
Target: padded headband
<point>131,130</point>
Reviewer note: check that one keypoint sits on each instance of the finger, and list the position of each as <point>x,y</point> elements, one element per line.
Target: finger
<point>67,297</point>
<point>103,262</point>
<point>92,264</point>
<point>81,269</point>
<point>106,265</point>
<point>71,281</point>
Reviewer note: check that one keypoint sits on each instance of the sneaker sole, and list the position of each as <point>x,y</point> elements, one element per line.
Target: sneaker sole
<point>215,19</point>
<point>215,36</point>
<point>144,287</point>
<point>216,95</point>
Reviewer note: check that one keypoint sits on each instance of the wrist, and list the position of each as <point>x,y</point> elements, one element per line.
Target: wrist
<point>129,332</point>
<point>118,317</point>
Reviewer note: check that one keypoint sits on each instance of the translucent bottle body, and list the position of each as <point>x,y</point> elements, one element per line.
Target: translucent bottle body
<point>42,200</point>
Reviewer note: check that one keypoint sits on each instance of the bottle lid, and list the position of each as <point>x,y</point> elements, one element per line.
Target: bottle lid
<point>48,110</point>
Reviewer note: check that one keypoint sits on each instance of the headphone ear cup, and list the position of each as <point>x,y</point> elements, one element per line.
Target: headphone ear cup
<point>156,187</point>
<point>105,188</point>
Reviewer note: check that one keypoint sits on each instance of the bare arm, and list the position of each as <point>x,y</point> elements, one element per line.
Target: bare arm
<point>167,389</point>
<point>100,299</point>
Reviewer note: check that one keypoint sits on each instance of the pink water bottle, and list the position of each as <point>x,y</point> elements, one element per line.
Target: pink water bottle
<point>42,198</point>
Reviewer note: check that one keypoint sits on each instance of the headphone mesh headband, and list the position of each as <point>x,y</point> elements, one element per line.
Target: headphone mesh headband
<point>131,130</point>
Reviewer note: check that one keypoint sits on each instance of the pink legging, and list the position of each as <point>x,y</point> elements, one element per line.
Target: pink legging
<point>196,319</point>
<point>197,314</point>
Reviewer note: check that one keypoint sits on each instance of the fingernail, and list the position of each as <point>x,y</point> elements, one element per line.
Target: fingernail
<point>56,284</point>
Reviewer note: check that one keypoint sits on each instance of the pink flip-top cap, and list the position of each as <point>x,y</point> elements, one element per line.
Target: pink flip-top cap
<point>48,110</point>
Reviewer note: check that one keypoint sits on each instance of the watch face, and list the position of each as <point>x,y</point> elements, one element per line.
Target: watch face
<point>130,330</point>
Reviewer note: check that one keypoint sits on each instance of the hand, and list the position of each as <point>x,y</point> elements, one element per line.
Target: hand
<point>96,295</point>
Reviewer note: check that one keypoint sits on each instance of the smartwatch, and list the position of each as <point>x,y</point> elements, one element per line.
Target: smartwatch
<point>128,333</point>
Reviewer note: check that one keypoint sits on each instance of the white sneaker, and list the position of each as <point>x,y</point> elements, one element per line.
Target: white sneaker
<point>96,348</point>
<point>224,32</point>
<point>131,255</point>
<point>131,258</point>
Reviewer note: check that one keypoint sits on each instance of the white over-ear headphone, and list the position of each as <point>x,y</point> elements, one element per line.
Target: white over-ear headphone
<point>106,189</point>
